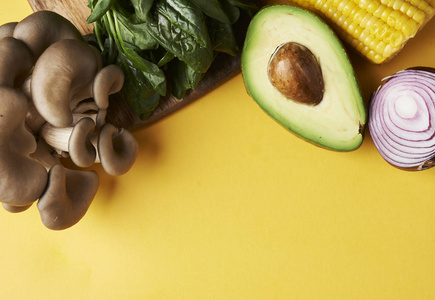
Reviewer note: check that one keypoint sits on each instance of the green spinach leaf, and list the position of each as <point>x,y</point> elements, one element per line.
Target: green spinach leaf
<point>143,9</point>
<point>135,34</point>
<point>150,71</point>
<point>99,8</point>
<point>137,90</point>
<point>214,9</point>
<point>223,37</point>
<point>181,29</point>
<point>183,78</point>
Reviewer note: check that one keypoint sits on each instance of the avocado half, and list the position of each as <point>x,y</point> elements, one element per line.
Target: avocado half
<point>297,70</point>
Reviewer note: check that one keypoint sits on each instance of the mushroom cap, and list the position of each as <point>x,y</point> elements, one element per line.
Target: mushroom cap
<point>65,68</point>
<point>7,29</point>
<point>22,180</point>
<point>13,109</point>
<point>41,29</point>
<point>117,149</point>
<point>23,141</point>
<point>68,196</point>
<point>109,80</point>
<point>16,61</point>
<point>15,208</point>
<point>80,148</point>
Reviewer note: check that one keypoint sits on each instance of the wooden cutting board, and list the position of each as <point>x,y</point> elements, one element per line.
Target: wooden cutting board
<point>120,114</point>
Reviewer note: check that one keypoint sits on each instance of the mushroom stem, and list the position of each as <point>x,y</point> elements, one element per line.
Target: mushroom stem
<point>74,140</point>
<point>56,137</point>
<point>44,155</point>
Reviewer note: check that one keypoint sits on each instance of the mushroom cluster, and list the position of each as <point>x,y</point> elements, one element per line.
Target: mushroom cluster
<point>54,94</point>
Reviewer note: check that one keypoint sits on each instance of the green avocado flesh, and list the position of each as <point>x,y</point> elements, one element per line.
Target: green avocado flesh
<point>338,121</point>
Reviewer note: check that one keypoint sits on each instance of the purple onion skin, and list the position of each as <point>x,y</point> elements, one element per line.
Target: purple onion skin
<point>385,140</point>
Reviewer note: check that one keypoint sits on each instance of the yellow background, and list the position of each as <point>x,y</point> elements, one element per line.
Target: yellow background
<point>223,203</point>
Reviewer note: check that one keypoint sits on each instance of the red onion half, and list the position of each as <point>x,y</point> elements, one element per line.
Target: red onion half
<point>402,119</point>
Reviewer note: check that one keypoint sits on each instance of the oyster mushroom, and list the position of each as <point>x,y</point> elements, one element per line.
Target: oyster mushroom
<point>68,196</point>
<point>15,209</point>
<point>22,180</point>
<point>65,68</point>
<point>117,149</point>
<point>109,80</point>
<point>7,29</point>
<point>74,140</point>
<point>45,155</point>
<point>89,109</point>
<point>85,109</point>
<point>43,28</point>
<point>15,62</point>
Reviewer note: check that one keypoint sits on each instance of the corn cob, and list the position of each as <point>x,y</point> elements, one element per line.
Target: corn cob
<point>377,29</point>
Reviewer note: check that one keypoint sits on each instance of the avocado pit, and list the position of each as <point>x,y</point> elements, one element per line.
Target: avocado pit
<point>296,73</point>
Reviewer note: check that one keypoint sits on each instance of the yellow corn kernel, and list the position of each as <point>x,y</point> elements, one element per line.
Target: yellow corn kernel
<point>330,12</point>
<point>417,15</point>
<point>410,28</point>
<point>334,3</point>
<point>375,28</point>
<point>347,9</point>
<point>372,55</point>
<point>388,3</point>
<point>392,18</point>
<point>378,12</point>
<point>371,21</point>
<point>406,8</point>
<point>388,50</point>
<point>359,15</point>
<point>396,4</point>
<point>342,4</point>
<point>396,39</point>
<point>359,46</point>
<point>354,30</point>
<point>324,8</point>
<point>368,40</point>
<point>423,5</point>
<point>319,4</point>
<point>385,13</point>
<point>341,21</point>
<point>380,33</point>
<point>372,7</point>
<point>364,37</point>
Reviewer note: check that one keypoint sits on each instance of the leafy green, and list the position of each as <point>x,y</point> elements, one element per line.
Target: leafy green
<point>215,9</point>
<point>180,28</point>
<point>143,9</point>
<point>163,45</point>
<point>223,37</point>
<point>99,8</point>
<point>135,34</point>
<point>137,89</point>
<point>184,78</point>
